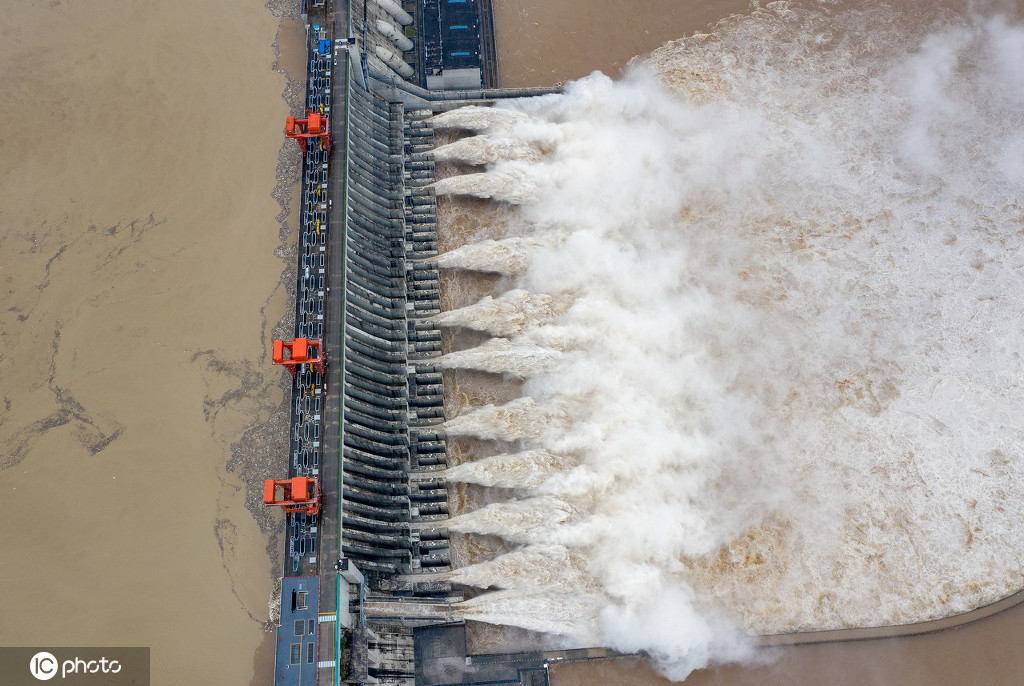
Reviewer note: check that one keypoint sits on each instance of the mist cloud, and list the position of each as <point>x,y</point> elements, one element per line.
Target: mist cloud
<point>786,295</point>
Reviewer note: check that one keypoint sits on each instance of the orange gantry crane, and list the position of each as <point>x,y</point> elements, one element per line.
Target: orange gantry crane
<point>300,351</point>
<point>298,494</point>
<point>313,126</point>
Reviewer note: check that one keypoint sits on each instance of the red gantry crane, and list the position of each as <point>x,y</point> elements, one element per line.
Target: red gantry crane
<point>300,351</point>
<point>299,494</point>
<point>313,126</point>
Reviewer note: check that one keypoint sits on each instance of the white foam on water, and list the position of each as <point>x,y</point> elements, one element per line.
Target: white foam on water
<point>794,283</point>
<point>478,150</point>
<point>521,521</point>
<point>559,614</point>
<point>526,469</point>
<point>512,185</point>
<point>475,118</point>
<point>550,566</point>
<point>519,419</point>
<point>510,314</point>
<point>502,356</point>
<point>505,256</point>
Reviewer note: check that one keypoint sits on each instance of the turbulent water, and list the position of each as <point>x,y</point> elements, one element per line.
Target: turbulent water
<point>482,149</point>
<point>509,314</point>
<point>502,356</point>
<point>526,469</point>
<point>783,386</point>
<point>506,256</point>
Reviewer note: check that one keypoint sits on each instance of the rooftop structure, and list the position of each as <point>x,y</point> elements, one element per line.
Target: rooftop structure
<point>297,636</point>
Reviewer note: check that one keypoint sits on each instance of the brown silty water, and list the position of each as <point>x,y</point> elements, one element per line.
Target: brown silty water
<point>527,50</point>
<point>144,273</point>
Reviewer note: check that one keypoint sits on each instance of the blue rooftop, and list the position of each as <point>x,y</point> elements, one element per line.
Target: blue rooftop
<point>297,649</point>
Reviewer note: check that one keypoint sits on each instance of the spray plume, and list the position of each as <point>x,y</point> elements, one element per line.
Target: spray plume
<point>526,469</point>
<point>515,420</point>
<point>506,256</point>
<point>794,290</point>
<point>502,356</point>
<point>510,314</point>
<point>478,150</point>
<point>475,118</point>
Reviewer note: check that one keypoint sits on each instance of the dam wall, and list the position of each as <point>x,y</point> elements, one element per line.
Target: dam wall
<point>368,424</point>
<point>392,391</point>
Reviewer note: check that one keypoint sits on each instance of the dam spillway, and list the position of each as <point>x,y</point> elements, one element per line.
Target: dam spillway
<point>878,384</point>
<point>368,425</point>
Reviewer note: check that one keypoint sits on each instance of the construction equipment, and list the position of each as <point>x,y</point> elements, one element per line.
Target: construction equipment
<point>299,494</point>
<point>300,351</point>
<point>314,125</point>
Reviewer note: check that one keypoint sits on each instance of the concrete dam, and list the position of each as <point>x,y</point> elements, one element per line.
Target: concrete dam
<point>365,507</point>
<point>644,256</point>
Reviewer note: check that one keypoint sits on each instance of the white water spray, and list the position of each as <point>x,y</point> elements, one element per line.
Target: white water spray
<point>512,185</point>
<point>510,314</point>
<point>519,521</point>
<point>476,118</point>
<point>526,469</point>
<point>795,287</point>
<point>550,566</point>
<point>502,356</point>
<point>478,150</point>
<point>506,256</point>
<point>516,420</point>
